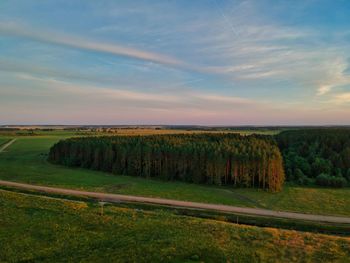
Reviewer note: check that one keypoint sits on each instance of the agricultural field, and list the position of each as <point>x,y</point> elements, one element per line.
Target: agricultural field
<point>35,228</point>
<point>26,161</point>
<point>37,131</point>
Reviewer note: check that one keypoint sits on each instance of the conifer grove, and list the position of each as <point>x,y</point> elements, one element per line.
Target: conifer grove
<point>221,159</point>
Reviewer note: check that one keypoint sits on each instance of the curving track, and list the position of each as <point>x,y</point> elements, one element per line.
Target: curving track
<point>175,203</point>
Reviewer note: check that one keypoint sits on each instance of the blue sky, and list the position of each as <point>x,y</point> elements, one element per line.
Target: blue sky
<point>175,62</point>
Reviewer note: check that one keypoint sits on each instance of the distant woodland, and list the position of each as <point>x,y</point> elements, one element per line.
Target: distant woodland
<point>220,159</point>
<point>320,156</point>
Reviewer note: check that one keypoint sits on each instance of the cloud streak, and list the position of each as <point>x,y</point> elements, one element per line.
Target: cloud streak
<point>324,89</point>
<point>13,29</point>
<point>342,98</point>
<point>185,99</point>
<point>334,76</point>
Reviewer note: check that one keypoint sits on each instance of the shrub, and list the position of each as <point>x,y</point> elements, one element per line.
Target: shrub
<point>348,175</point>
<point>332,181</point>
<point>300,178</point>
<point>338,182</point>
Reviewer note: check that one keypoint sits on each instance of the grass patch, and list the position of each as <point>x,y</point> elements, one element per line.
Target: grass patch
<point>34,228</point>
<point>261,221</point>
<point>300,225</point>
<point>4,140</point>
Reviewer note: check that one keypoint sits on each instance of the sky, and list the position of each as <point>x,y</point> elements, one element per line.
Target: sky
<point>203,62</point>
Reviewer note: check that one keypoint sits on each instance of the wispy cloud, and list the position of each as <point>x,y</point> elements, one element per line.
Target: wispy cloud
<point>260,52</point>
<point>100,91</point>
<point>324,89</point>
<point>333,76</point>
<point>14,29</point>
<point>188,99</point>
<point>341,98</point>
<point>226,99</point>
<point>118,105</point>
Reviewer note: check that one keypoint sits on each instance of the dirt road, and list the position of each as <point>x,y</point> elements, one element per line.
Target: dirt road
<point>6,145</point>
<point>176,203</point>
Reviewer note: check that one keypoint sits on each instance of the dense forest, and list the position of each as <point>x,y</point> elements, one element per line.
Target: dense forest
<point>320,156</point>
<point>221,159</point>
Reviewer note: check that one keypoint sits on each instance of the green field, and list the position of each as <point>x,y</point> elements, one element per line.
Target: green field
<point>3,140</point>
<point>25,161</point>
<point>41,229</point>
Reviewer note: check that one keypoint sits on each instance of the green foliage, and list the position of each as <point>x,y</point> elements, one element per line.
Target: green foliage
<point>321,165</point>
<point>301,178</point>
<point>316,152</point>
<point>333,181</point>
<point>223,159</point>
<point>303,165</point>
<point>348,175</point>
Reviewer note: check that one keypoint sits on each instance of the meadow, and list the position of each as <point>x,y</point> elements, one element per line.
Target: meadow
<point>42,229</point>
<point>26,161</point>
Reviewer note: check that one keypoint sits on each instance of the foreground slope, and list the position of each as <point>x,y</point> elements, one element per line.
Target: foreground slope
<point>34,228</point>
<point>115,198</point>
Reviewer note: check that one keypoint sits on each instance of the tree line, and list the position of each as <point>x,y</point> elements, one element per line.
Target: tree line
<point>320,156</point>
<point>221,159</point>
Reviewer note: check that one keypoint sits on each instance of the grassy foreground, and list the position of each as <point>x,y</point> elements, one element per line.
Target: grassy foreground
<point>25,161</point>
<point>34,228</point>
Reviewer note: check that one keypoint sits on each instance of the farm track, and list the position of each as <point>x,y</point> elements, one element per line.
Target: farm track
<point>3,148</point>
<point>116,198</point>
